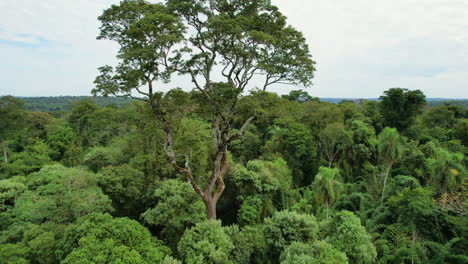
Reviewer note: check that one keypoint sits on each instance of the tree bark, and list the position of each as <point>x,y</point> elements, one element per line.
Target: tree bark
<point>210,205</point>
<point>211,199</point>
<point>221,140</point>
<point>5,152</point>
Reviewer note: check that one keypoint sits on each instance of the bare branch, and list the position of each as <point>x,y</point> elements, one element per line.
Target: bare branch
<point>142,93</point>
<point>216,172</point>
<point>129,96</point>
<point>221,186</point>
<point>184,171</point>
<point>241,131</point>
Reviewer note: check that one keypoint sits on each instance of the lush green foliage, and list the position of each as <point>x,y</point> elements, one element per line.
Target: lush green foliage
<point>206,242</point>
<point>59,195</point>
<point>346,234</point>
<point>98,238</point>
<point>177,208</point>
<point>286,227</point>
<point>319,252</point>
<point>284,197</point>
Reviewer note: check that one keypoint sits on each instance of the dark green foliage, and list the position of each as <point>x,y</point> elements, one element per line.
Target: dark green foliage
<point>412,161</point>
<point>398,245</point>
<point>65,103</point>
<point>248,147</point>
<point>10,190</point>
<point>399,107</point>
<point>416,208</point>
<point>263,186</point>
<point>292,141</point>
<point>14,254</point>
<point>11,119</point>
<point>33,157</point>
<point>33,243</point>
<point>359,203</point>
<point>444,253</point>
<point>402,182</point>
<point>362,150</point>
<point>460,103</point>
<point>299,96</point>
<point>440,116</point>
<point>461,131</point>
<point>249,244</point>
<point>125,186</point>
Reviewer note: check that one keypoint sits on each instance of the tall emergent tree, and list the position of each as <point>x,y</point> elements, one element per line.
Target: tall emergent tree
<point>400,106</point>
<point>222,46</point>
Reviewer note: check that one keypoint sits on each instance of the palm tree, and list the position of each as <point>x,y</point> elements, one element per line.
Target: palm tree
<point>326,187</point>
<point>390,146</point>
<point>446,170</point>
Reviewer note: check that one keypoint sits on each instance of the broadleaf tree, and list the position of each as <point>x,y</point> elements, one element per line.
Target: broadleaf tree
<point>222,46</point>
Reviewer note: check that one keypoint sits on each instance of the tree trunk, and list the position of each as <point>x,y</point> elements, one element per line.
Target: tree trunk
<point>385,183</point>
<point>327,210</point>
<point>210,205</point>
<point>5,153</point>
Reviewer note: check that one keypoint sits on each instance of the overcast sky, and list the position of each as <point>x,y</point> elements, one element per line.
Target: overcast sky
<point>362,47</point>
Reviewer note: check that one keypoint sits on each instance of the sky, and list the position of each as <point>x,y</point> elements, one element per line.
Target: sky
<point>362,47</point>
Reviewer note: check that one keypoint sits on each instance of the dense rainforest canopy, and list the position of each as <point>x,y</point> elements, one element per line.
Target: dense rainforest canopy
<point>229,172</point>
<point>309,182</point>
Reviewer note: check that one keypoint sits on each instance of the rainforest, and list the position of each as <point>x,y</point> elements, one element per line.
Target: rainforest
<point>226,169</point>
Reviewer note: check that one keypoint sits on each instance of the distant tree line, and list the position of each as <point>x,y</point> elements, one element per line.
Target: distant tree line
<point>65,103</point>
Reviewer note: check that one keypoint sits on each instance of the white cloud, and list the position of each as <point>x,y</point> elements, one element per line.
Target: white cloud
<point>362,47</point>
<point>21,38</point>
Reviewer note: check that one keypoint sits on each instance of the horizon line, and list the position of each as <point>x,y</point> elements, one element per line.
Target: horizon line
<point>352,98</point>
